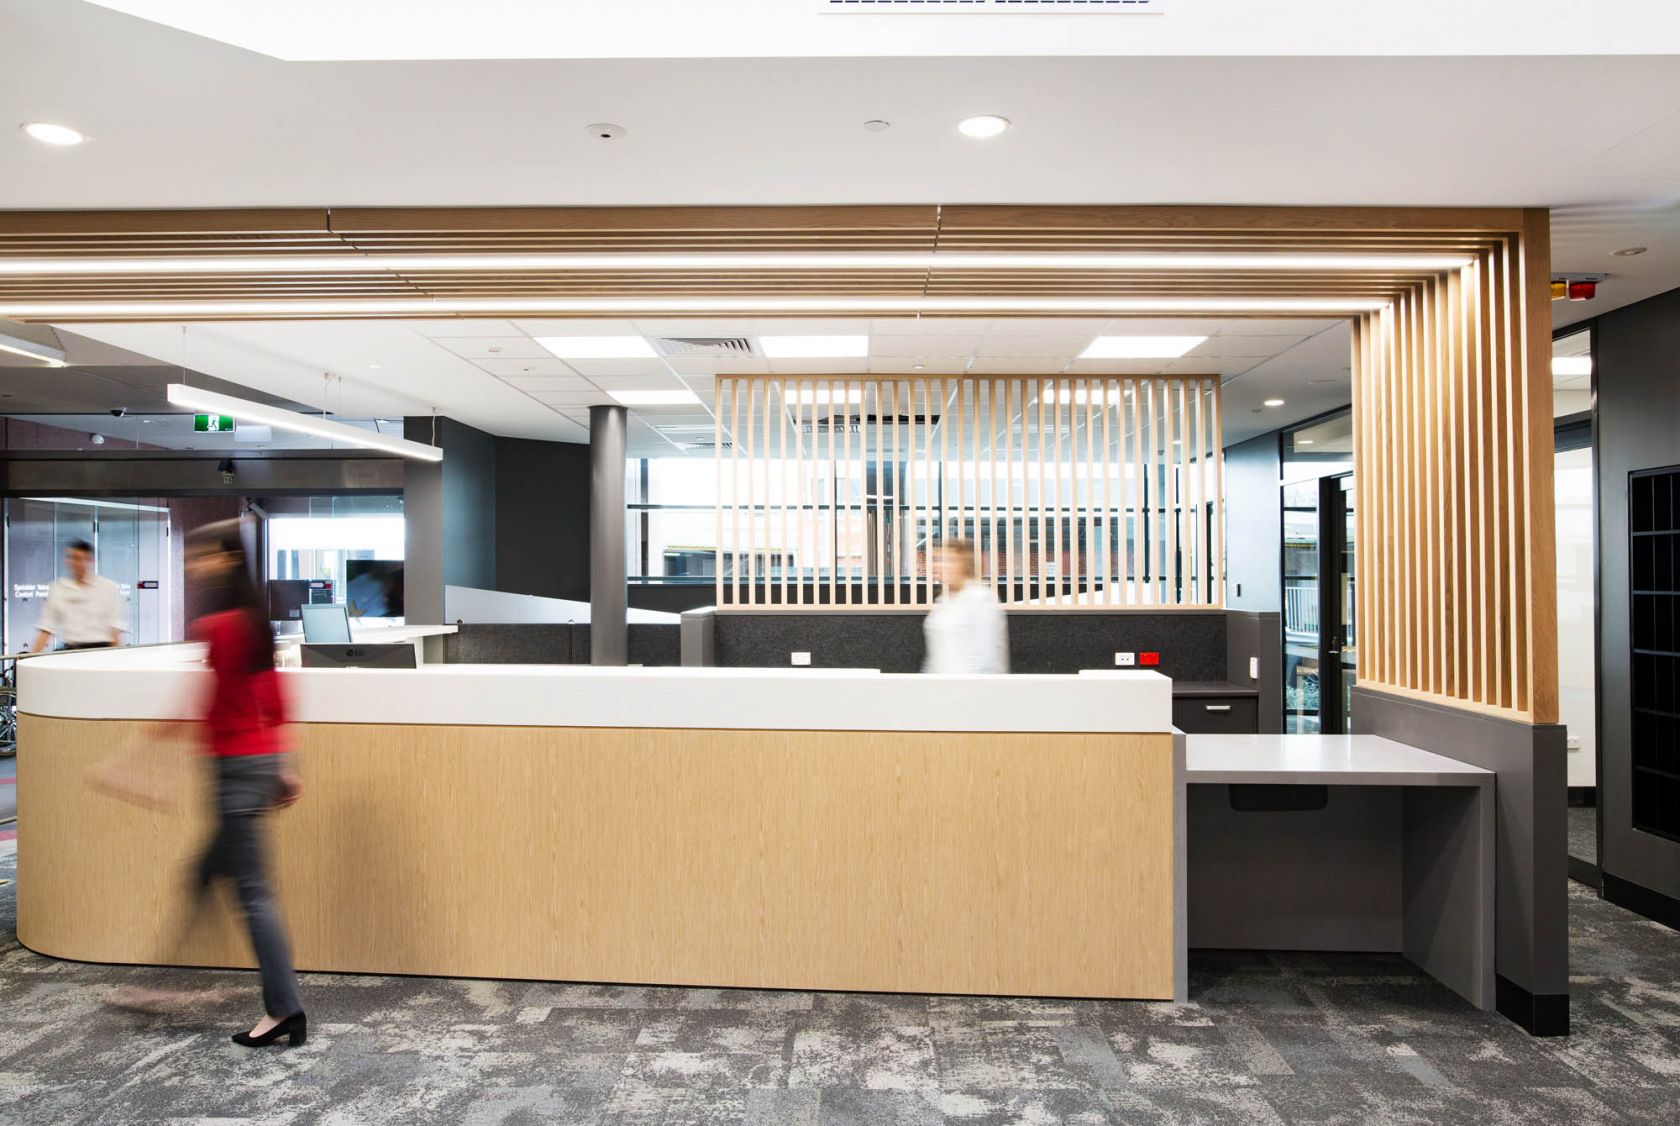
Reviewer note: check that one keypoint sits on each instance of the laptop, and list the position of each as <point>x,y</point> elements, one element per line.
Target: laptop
<point>328,623</point>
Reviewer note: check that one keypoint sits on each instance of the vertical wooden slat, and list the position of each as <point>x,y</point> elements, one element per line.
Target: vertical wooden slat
<point>1198,498</point>
<point>1059,408</point>
<point>972,526</point>
<point>1135,555</point>
<point>895,542</point>
<point>1044,390</point>
<point>1091,557</point>
<point>1539,498</point>
<point>1217,445</point>
<point>1111,459</point>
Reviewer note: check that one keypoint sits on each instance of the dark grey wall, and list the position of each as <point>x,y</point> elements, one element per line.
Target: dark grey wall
<point>1638,382</point>
<point>1531,928</point>
<point>1191,643</point>
<point>542,519</point>
<point>650,644</point>
<point>1254,525</point>
<point>451,514</point>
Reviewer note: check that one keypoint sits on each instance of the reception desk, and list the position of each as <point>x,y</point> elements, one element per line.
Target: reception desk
<point>808,829</point>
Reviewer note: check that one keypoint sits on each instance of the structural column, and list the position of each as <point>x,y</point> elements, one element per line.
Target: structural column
<point>609,642</point>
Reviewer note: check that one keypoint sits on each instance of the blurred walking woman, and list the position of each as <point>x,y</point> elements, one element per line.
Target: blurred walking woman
<point>966,630</point>
<point>244,731</point>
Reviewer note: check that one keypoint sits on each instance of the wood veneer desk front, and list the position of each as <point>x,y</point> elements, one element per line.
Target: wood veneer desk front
<point>805,829</point>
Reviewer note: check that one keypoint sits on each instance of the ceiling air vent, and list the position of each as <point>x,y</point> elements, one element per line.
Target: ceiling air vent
<point>703,347</point>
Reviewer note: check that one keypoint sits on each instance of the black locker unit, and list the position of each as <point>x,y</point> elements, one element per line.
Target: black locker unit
<point>1654,556</point>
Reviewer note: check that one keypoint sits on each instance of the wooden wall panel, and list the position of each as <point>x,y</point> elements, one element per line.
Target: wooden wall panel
<point>1091,492</point>
<point>1453,463</point>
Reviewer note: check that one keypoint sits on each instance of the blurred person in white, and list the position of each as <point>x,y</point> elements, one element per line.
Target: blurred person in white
<point>84,609</point>
<point>966,629</point>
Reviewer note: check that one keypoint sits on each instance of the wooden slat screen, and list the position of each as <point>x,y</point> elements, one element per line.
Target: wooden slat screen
<point>1452,466</point>
<point>1076,491</point>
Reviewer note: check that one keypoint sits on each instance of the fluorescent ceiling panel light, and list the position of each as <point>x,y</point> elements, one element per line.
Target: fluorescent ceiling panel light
<point>814,347</point>
<point>50,134</point>
<point>682,398</point>
<point>1080,395</point>
<point>599,347</point>
<point>19,346</point>
<point>825,395</point>
<point>1139,347</point>
<point>1572,365</point>
<point>245,410</point>
<point>838,260</point>
<point>425,308</point>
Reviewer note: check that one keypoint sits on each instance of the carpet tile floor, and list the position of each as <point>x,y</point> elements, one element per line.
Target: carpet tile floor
<point>1267,1038</point>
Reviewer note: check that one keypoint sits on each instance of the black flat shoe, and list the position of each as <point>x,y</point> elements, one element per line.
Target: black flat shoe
<point>295,1028</point>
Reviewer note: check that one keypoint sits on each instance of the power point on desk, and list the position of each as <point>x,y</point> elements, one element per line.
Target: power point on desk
<point>802,660</point>
<point>1254,668</point>
<point>1147,659</point>
<point>1125,660</point>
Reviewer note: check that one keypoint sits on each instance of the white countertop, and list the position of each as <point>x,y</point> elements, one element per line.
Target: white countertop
<point>1336,760</point>
<point>163,682</point>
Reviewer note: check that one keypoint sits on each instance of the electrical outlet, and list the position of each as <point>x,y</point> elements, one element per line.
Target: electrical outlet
<point>1149,658</point>
<point>1254,668</point>
<point>802,660</point>
<point>1125,660</point>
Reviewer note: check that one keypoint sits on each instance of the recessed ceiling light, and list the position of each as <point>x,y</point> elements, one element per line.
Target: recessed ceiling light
<point>598,347</point>
<point>1572,365</point>
<point>1274,402</point>
<point>606,131</point>
<point>1139,347</point>
<point>814,347</point>
<point>49,134</point>
<point>682,398</point>
<point>982,126</point>
<point>876,125</point>
<point>1629,251</point>
<point>918,367</point>
<point>375,367</point>
<point>1303,441</point>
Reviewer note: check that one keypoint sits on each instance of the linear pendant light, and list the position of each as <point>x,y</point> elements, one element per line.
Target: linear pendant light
<point>259,413</point>
<point>423,307</point>
<point>812,260</point>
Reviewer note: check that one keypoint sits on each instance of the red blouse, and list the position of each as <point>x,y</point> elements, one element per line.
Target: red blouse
<point>246,707</point>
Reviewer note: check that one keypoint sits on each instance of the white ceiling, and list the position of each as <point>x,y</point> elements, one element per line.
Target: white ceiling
<point>494,375</point>
<point>526,29</point>
<point>178,120</point>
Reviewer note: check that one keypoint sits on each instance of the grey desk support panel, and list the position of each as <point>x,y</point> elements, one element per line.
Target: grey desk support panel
<point>1531,840</point>
<point>1181,873</point>
<point>1447,882</point>
<point>699,641</point>
<point>1326,879</point>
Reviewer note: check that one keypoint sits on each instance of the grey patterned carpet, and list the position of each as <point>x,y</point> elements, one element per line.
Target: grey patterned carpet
<point>1276,1039</point>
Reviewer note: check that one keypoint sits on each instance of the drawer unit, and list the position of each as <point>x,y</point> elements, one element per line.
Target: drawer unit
<point>1216,715</point>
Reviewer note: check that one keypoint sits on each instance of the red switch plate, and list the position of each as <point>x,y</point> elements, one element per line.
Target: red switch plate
<point>1149,658</point>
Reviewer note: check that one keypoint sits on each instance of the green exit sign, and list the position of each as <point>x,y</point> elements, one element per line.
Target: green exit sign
<point>213,423</point>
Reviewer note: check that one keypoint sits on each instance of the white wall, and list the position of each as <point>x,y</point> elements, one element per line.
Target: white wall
<point>1576,641</point>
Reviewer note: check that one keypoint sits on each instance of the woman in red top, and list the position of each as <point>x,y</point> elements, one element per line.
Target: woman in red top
<point>244,718</point>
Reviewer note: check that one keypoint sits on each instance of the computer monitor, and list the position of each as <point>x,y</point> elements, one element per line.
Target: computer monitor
<point>389,655</point>
<point>326,624</point>
<point>373,588</point>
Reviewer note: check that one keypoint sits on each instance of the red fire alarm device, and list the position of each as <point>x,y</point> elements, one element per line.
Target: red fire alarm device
<point>1149,658</point>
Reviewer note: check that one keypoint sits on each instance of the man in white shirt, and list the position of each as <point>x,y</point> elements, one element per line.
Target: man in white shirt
<point>967,631</point>
<point>84,610</point>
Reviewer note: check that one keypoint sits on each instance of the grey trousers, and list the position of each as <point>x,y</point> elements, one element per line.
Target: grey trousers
<point>247,786</point>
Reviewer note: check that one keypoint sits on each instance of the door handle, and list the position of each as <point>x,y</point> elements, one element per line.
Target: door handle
<point>1218,707</point>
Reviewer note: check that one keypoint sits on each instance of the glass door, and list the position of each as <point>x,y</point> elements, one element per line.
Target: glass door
<point>1319,641</point>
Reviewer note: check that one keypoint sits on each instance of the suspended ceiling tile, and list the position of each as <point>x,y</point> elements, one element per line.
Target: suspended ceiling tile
<point>1047,326</point>
<point>1263,346</point>
<point>905,365</point>
<point>469,327</point>
<point>642,367</point>
<point>1119,367</point>
<point>1064,346</point>
<point>530,367</point>
<point>929,326</point>
<point>645,381</point>
<point>549,382</point>
<point>1019,365</point>
<point>571,398</point>
<point>495,347</point>
<point>960,345</point>
<point>582,326</point>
